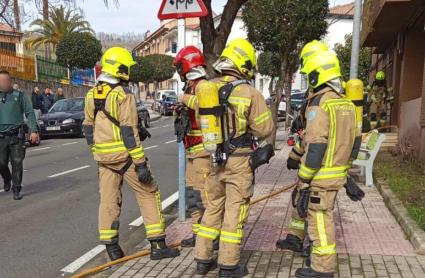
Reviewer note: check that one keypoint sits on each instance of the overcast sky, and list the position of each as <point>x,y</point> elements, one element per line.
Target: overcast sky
<point>136,16</point>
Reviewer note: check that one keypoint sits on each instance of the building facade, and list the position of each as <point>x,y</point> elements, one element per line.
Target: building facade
<point>399,50</point>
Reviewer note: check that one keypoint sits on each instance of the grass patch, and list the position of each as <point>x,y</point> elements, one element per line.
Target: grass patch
<point>407,180</point>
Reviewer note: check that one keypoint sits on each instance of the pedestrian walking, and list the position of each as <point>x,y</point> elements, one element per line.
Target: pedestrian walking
<point>13,106</point>
<point>47,100</point>
<point>111,130</point>
<point>230,183</point>
<point>36,102</point>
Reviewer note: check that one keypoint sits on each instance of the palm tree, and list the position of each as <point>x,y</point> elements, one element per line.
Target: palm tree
<point>60,23</point>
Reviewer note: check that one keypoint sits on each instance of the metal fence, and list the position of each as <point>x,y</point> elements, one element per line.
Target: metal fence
<point>48,70</point>
<point>20,66</point>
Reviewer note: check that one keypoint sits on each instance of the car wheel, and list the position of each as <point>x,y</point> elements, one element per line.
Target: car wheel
<point>147,121</point>
<point>81,134</point>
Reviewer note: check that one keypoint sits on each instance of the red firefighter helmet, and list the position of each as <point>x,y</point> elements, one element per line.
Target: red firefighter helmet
<point>187,59</point>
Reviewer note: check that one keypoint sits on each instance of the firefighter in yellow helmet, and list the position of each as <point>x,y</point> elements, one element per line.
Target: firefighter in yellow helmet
<point>230,183</point>
<point>329,147</point>
<point>379,99</point>
<point>296,230</point>
<point>111,130</point>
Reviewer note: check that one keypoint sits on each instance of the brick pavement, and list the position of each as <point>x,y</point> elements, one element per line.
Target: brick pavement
<point>370,243</point>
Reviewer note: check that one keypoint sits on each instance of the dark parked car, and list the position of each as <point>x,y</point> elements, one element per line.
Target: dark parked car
<point>143,113</point>
<point>64,118</point>
<point>167,105</point>
<point>297,99</point>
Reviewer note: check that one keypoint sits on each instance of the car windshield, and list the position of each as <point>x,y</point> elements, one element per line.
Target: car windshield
<point>298,96</point>
<point>68,105</point>
<point>171,99</point>
<point>170,93</point>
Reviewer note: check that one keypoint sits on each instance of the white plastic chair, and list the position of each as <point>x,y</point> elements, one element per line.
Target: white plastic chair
<point>368,154</point>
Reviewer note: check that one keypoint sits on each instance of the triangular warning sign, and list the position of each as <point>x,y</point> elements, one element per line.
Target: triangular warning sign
<point>171,9</point>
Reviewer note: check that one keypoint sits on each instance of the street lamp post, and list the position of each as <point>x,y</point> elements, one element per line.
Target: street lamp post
<point>355,50</point>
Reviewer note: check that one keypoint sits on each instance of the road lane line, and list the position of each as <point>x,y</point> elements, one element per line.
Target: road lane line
<point>172,141</point>
<point>78,263</point>
<point>71,143</point>
<point>165,204</point>
<point>69,171</point>
<point>155,127</point>
<point>39,149</point>
<point>151,147</point>
<point>165,125</point>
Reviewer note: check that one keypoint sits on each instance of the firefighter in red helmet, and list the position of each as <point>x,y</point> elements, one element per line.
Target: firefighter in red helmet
<point>190,65</point>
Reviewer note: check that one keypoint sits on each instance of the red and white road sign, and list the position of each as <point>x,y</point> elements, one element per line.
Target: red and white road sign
<point>171,9</point>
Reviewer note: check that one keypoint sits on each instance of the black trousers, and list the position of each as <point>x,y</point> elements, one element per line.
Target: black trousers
<point>12,149</point>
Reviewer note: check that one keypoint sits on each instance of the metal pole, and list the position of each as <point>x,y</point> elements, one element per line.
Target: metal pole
<point>182,153</point>
<point>355,50</point>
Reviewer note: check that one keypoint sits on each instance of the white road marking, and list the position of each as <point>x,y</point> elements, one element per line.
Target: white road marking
<point>151,147</point>
<point>1,190</point>
<point>39,149</point>
<point>69,171</point>
<point>166,203</point>
<point>78,263</point>
<point>70,143</point>
<point>172,141</point>
<point>155,127</point>
<point>165,125</point>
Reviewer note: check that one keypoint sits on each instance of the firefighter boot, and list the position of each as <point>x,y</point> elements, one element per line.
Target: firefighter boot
<point>311,273</point>
<point>291,242</point>
<point>114,251</point>
<point>204,267</point>
<point>17,192</point>
<point>232,271</point>
<point>189,242</point>
<point>159,250</point>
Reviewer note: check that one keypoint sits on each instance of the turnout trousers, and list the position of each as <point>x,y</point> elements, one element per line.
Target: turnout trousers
<point>197,171</point>
<point>12,149</point>
<point>229,190</point>
<point>147,195</point>
<point>321,229</point>
<point>296,224</point>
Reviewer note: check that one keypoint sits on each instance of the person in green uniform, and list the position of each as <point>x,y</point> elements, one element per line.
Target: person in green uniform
<point>13,106</point>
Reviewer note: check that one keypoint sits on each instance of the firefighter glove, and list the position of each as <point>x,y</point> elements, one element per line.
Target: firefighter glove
<point>181,125</point>
<point>261,156</point>
<point>292,164</point>
<point>294,197</point>
<point>303,200</point>
<point>144,173</point>
<point>353,190</point>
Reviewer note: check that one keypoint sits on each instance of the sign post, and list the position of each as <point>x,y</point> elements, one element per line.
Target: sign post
<point>181,9</point>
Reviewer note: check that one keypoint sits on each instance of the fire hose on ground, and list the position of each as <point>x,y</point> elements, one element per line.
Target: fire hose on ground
<point>143,253</point>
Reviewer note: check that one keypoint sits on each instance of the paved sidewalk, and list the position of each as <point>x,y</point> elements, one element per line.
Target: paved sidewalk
<point>370,243</point>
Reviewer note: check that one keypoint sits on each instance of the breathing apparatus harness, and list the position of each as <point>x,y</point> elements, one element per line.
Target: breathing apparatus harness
<point>100,95</point>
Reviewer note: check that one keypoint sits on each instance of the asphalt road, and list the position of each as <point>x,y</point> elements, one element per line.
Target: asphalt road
<point>56,222</point>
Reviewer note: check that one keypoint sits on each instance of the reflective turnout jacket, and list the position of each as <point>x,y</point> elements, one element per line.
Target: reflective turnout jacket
<point>250,109</point>
<point>110,143</point>
<point>331,140</point>
<point>193,140</point>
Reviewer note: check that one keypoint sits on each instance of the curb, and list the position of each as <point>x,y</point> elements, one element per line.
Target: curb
<point>414,233</point>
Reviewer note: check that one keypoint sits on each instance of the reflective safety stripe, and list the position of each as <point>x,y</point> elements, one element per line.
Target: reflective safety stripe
<point>263,117</point>
<point>196,148</point>
<point>195,228</point>
<point>109,147</point>
<point>195,132</point>
<point>297,224</point>
<point>231,237</point>
<point>137,153</point>
<point>107,234</point>
<point>89,97</point>
<point>155,229</point>
<point>324,248</point>
<point>306,172</point>
<point>209,233</point>
<point>113,110</point>
<point>331,173</point>
<point>241,104</point>
<point>192,101</point>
